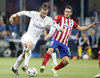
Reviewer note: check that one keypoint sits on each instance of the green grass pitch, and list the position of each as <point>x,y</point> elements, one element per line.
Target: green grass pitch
<point>75,69</point>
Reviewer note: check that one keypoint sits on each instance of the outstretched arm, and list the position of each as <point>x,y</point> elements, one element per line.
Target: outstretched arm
<point>11,19</point>
<point>83,28</point>
<point>27,13</point>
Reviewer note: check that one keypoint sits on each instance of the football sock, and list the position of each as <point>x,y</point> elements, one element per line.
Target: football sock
<point>99,58</point>
<point>79,52</point>
<point>54,58</point>
<point>89,52</point>
<point>61,65</point>
<point>46,59</point>
<point>27,56</point>
<point>18,62</point>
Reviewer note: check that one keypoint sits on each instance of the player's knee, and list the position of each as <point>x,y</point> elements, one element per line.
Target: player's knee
<point>50,51</point>
<point>29,45</point>
<point>66,61</point>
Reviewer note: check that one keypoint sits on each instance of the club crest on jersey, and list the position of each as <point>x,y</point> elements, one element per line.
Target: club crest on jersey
<point>44,22</point>
<point>51,43</point>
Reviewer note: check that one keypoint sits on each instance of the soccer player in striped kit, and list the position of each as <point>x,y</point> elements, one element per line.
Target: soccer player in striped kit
<point>38,23</point>
<point>59,40</point>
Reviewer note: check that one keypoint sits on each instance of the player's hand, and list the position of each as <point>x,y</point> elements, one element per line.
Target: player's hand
<point>61,30</point>
<point>46,38</point>
<point>94,24</point>
<point>11,19</point>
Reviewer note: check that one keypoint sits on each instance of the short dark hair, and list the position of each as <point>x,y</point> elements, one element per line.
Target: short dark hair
<point>69,7</point>
<point>45,6</point>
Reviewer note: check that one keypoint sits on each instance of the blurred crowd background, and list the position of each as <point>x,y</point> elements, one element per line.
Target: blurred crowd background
<point>10,35</point>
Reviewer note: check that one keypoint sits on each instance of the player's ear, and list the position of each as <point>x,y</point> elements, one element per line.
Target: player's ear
<point>71,13</point>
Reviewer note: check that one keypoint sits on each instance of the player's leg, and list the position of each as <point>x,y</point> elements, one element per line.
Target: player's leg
<point>46,59</point>
<point>63,63</point>
<point>18,62</point>
<point>52,46</point>
<point>98,75</point>
<point>64,54</point>
<point>47,56</point>
<point>28,48</point>
<point>79,51</point>
<point>54,59</point>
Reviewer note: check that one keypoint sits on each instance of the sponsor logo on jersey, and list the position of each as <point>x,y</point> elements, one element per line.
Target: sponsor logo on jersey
<point>67,26</point>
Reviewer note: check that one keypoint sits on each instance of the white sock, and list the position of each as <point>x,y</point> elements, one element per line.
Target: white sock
<point>54,58</point>
<point>18,62</point>
<point>27,56</point>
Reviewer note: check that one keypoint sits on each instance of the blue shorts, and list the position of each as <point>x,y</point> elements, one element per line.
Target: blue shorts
<point>63,49</point>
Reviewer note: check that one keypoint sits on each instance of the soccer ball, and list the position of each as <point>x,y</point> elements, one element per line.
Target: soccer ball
<point>85,56</point>
<point>31,72</point>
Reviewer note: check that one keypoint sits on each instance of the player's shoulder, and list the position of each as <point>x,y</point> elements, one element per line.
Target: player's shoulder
<point>34,12</point>
<point>48,18</point>
<point>58,16</point>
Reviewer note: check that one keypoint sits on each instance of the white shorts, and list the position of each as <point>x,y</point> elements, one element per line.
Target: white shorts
<point>27,37</point>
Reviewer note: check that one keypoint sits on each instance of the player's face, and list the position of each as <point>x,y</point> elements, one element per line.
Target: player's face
<point>43,13</point>
<point>67,13</point>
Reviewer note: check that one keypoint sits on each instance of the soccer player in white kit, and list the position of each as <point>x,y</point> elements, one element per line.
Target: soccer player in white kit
<point>39,21</point>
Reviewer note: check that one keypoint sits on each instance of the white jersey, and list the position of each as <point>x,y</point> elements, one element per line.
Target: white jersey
<point>37,24</point>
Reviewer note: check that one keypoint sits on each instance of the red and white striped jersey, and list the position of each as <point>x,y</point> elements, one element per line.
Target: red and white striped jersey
<point>67,25</point>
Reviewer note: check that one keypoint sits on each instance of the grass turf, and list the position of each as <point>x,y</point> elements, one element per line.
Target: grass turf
<point>75,69</point>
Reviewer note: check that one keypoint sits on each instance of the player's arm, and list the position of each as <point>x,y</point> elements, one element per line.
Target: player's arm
<point>57,27</point>
<point>51,32</point>
<point>54,23</point>
<point>27,13</point>
<point>47,37</point>
<point>11,19</point>
<point>83,28</point>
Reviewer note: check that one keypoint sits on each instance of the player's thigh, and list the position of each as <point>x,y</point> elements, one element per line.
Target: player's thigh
<point>52,46</point>
<point>63,50</point>
<point>29,45</point>
<point>28,41</point>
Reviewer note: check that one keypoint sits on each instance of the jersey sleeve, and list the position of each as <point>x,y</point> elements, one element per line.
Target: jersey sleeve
<point>52,30</point>
<point>27,13</point>
<point>54,24</point>
<point>75,24</point>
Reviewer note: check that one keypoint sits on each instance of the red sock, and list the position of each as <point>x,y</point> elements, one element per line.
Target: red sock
<point>46,59</point>
<point>99,58</point>
<point>61,65</point>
